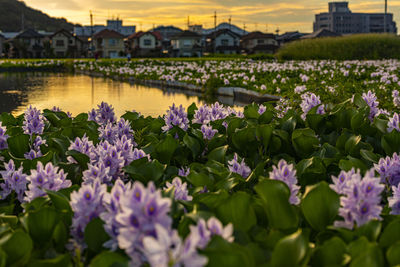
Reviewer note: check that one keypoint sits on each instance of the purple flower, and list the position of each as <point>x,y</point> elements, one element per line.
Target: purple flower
<point>176,117</point>
<point>341,182</point>
<point>180,189</point>
<point>393,123</point>
<point>111,158</point>
<point>287,173</point>
<point>138,154</point>
<point>97,173</point>
<point>141,210</point>
<point>184,172</point>
<point>394,201</point>
<point>389,170</point>
<point>35,150</point>
<point>108,132</point>
<point>310,100</point>
<point>14,180</point>
<point>261,109</point>
<point>208,131</point>
<point>371,101</point>
<point>202,115</point>
<point>45,177</point>
<point>360,201</point>
<point>33,123</point>
<point>240,168</point>
<point>87,204</point>
<point>102,115</point>
<point>3,137</point>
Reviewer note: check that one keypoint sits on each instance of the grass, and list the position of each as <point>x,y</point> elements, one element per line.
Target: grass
<point>353,47</point>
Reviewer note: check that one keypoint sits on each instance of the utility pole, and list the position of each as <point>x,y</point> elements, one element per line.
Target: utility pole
<point>266,27</point>
<point>385,19</point>
<point>230,22</point>
<point>22,21</point>
<point>255,25</point>
<point>215,31</point>
<point>91,32</point>
<point>244,28</point>
<point>188,22</point>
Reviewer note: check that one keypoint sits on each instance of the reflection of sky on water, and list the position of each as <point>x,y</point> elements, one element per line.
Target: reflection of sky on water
<point>81,93</point>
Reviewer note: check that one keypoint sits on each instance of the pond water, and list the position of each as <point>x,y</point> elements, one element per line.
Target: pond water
<point>78,93</point>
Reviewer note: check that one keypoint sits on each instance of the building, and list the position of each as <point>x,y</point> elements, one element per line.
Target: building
<point>258,42</point>
<point>341,20</point>
<point>64,44</point>
<point>288,37</point>
<point>27,44</point>
<point>145,44</point>
<point>320,34</point>
<point>186,44</point>
<point>115,25</point>
<point>223,41</point>
<point>109,44</point>
<point>2,39</point>
<point>197,28</point>
<point>226,26</point>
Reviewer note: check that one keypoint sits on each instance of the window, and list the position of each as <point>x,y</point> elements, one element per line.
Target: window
<point>187,43</point>
<point>260,41</point>
<point>59,42</point>
<point>147,42</point>
<point>224,42</point>
<point>112,42</point>
<point>70,41</point>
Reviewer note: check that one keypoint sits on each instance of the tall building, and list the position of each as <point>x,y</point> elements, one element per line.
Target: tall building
<point>112,24</point>
<point>341,20</point>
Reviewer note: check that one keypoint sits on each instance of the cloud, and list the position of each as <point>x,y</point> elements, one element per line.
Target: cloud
<point>285,14</point>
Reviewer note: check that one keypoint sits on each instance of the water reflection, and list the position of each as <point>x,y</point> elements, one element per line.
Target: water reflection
<point>80,93</point>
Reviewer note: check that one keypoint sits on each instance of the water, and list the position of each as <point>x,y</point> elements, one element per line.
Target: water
<point>78,93</point>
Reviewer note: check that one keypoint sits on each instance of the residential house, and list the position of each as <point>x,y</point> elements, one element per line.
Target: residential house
<point>186,44</point>
<point>258,42</point>
<point>166,33</point>
<point>64,44</point>
<point>2,39</point>
<point>321,33</point>
<point>27,44</point>
<point>288,37</point>
<point>109,44</point>
<point>223,41</point>
<point>145,44</point>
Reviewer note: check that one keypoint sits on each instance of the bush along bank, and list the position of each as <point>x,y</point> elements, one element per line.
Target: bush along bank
<point>315,184</point>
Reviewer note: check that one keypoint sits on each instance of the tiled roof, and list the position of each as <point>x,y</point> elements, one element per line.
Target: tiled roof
<point>106,33</point>
<point>186,34</point>
<point>258,35</point>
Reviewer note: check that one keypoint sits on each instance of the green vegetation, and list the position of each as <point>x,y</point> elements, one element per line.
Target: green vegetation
<point>353,47</point>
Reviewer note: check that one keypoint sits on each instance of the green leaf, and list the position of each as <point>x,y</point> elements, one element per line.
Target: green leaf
<point>370,230</point>
<point>304,142</point>
<point>290,250</point>
<point>371,257</point>
<point>81,158</point>
<point>109,258</point>
<point>251,112</point>
<point>359,101</point>
<point>145,171</point>
<point>393,254</point>
<point>331,253</point>
<point>59,261</point>
<point>264,134</point>
<point>275,195</point>
<point>200,179</point>
<point>369,155</point>
<point>320,205</point>
<point>391,142</point>
<point>391,234</point>
<point>18,145</point>
<point>41,224</point>
<point>237,209</point>
<point>95,235</point>
<point>166,148</point>
<point>18,247</point>
<point>348,164</point>
<point>193,144</point>
<point>218,154</point>
<point>61,203</point>
<point>266,117</point>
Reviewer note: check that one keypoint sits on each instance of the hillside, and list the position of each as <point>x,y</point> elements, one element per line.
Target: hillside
<point>11,16</point>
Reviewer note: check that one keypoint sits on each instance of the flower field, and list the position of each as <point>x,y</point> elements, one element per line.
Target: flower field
<point>312,180</point>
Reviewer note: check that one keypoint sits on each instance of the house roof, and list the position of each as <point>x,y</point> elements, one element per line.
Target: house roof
<point>29,33</point>
<point>106,33</point>
<point>258,35</point>
<point>291,35</point>
<point>185,34</point>
<point>321,33</point>
<point>63,31</point>
<point>223,31</point>
<point>140,34</point>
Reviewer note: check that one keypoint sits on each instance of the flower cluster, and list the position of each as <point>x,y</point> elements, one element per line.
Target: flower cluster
<point>240,168</point>
<point>176,116</point>
<point>114,132</point>
<point>35,149</point>
<point>87,204</point>
<point>394,200</point>
<point>14,180</point>
<point>372,102</point>
<point>389,170</point>
<point>206,114</point>
<point>360,198</point>
<point>33,121</point>
<point>396,98</point>
<point>3,137</point>
<point>287,173</point>
<point>104,114</point>
<point>310,100</point>
<point>393,123</point>
<point>208,132</point>
<point>180,189</point>
<point>45,178</point>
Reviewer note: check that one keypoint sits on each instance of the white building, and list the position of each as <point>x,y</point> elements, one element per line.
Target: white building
<point>115,25</point>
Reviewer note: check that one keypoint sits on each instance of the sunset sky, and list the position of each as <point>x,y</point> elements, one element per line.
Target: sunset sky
<point>263,15</point>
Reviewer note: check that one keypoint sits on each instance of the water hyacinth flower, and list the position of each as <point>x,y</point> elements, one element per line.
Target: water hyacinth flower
<point>180,189</point>
<point>103,114</point>
<point>35,151</point>
<point>394,200</point>
<point>14,180</point>
<point>341,182</point>
<point>261,109</point>
<point>371,100</point>
<point>208,132</point>
<point>141,210</point>
<point>184,172</point>
<point>45,177</point>
<point>33,121</point>
<point>396,98</point>
<point>87,204</point>
<point>3,137</point>
<point>393,123</point>
<point>95,173</point>
<point>176,116</point>
<point>310,100</point>
<point>287,173</point>
<point>360,200</point>
<point>389,170</point>
<point>239,168</point>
